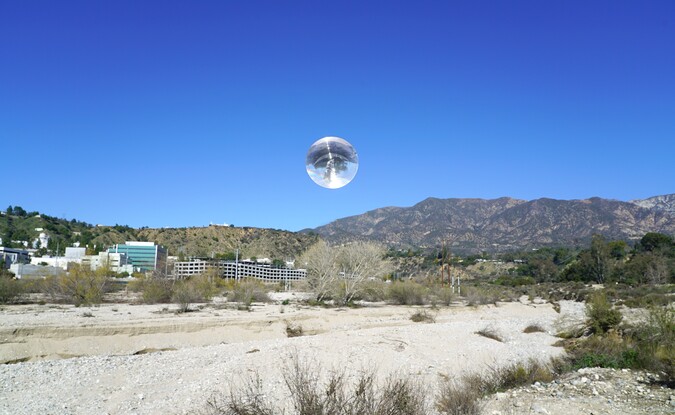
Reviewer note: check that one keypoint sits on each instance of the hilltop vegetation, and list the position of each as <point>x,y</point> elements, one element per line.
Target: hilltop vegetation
<point>19,225</point>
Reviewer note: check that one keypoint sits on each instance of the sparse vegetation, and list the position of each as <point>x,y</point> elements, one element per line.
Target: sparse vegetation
<point>10,289</point>
<point>490,333</point>
<point>534,328</point>
<point>397,395</point>
<point>80,286</point>
<point>422,316</point>
<point>248,291</point>
<point>293,329</point>
<point>601,316</point>
<point>407,293</point>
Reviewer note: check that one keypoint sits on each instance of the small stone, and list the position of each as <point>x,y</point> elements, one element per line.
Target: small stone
<point>538,409</point>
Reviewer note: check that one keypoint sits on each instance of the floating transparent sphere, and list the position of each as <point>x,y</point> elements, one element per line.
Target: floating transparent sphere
<point>332,162</point>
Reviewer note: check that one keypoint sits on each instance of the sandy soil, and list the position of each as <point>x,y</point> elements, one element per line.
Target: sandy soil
<point>146,359</point>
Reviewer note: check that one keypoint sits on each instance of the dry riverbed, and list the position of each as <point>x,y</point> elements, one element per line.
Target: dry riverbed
<point>146,359</point>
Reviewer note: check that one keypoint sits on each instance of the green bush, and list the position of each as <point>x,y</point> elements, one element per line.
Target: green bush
<point>601,316</point>
<point>80,286</point>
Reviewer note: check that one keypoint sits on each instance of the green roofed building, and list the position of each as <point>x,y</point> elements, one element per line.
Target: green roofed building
<point>144,256</point>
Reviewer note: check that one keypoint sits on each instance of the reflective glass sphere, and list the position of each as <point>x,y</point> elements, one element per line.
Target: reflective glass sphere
<point>332,162</point>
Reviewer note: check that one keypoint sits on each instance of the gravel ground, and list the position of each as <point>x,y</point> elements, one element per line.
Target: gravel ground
<point>225,346</point>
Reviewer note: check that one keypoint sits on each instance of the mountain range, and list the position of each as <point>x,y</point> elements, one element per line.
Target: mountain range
<point>466,225</point>
<point>504,224</point>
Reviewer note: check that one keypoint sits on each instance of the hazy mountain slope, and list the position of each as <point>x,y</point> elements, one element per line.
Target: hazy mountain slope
<point>665,203</point>
<point>471,225</point>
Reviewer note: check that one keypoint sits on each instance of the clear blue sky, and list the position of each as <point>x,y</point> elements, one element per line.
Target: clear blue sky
<point>175,113</point>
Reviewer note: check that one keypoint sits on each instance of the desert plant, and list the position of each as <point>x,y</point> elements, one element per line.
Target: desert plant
<point>80,286</point>
<point>155,290</point>
<point>444,295</point>
<point>205,285</point>
<point>519,374</point>
<point>420,316</point>
<point>459,398</point>
<point>184,294</point>
<point>407,293</point>
<point>397,396</point>
<point>534,328</point>
<point>601,315</point>
<point>293,329</point>
<point>10,289</point>
<point>490,333</point>
<point>248,400</point>
<point>480,295</point>
<point>248,291</point>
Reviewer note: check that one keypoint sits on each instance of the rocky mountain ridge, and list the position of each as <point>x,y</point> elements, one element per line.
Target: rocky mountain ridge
<point>495,225</point>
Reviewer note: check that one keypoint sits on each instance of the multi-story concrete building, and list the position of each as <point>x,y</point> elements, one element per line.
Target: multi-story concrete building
<point>231,269</point>
<point>144,256</point>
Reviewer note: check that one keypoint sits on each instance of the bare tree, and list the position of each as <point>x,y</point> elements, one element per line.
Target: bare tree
<point>359,262</point>
<point>341,271</point>
<point>321,265</point>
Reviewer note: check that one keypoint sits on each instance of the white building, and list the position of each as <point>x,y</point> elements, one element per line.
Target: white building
<point>232,270</point>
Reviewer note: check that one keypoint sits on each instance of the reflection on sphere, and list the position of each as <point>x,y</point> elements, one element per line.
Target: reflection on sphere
<point>332,162</point>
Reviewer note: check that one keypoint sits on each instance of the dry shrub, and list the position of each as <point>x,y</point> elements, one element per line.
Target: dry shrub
<point>422,316</point>
<point>520,374</point>
<point>80,286</point>
<point>397,396</point>
<point>184,294</point>
<point>338,395</point>
<point>534,328</point>
<point>10,289</point>
<point>249,400</point>
<point>490,333</point>
<point>293,329</point>
<point>154,290</point>
<point>407,293</point>
<point>249,291</point>
<point>460,398</point>
<point>444,296</point>
<point>375,290</point>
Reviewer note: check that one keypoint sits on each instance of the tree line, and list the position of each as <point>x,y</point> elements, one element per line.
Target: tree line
<point>651,260</point>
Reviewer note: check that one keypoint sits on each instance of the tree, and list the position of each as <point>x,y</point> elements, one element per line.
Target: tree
<point>278,263</point>
<point>341,271</point>
<point>321,264</point>
<point>653,241</point>
<point>599,259</point>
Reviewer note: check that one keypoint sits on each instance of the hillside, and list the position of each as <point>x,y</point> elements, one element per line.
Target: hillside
<point>195,241</point>
<point>210,240</point>
<point>474,225</point>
